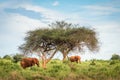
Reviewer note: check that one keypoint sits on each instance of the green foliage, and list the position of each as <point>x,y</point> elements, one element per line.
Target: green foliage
<point>93,62</point>
<point>7,57</point>
<point>115,57</point>
<point>59,70</point>
<point>6,67</point>
<point>17,57</point>
<point>56,70</point>
<point>62,36</point>
<point>113,62</point>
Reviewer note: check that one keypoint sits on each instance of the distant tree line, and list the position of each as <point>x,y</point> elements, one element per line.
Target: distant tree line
<point>15,58</point>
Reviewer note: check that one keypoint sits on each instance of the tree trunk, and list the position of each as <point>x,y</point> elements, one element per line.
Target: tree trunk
<point>43,61</point>
<point>51,56</point>
<point>64,57</point>
<point>44,64</point>
<point>65,53</point>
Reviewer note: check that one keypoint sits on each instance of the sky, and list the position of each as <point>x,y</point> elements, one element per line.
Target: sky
<point>19,16</point>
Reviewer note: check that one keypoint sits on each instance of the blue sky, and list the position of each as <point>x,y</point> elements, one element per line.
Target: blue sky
<point>19,16</point>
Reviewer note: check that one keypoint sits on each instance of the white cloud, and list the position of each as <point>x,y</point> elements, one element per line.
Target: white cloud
<point>107,26</point>
<point>109,37</point>
<point>12,30</point>
<point>21,23</point>
<point>15,25</point>
<point>47,14</point>
<point>101,10</point>
<point>56,3</point>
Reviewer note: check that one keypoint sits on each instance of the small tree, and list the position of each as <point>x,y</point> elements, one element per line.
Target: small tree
<point>17,57</point>
<point>115,57</point>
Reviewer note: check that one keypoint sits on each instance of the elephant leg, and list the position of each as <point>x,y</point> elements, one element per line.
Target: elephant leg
<point>37,64</point>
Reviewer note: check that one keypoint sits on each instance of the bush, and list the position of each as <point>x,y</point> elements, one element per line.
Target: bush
<point>7,57</point>
<point>8,65</point>
<point>115,57</point>
<point>15,76</point>
<point>114,62</point>
<point>93,62</point>
<point>58,70</point>
<point>17,58</point>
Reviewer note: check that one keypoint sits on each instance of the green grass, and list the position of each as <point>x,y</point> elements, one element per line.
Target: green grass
<point>58,70</point>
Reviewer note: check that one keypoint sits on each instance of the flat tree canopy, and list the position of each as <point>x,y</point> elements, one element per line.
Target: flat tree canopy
<point>61,36</point>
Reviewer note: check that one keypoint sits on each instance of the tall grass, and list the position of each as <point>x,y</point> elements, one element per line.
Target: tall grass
<point>57,70</point>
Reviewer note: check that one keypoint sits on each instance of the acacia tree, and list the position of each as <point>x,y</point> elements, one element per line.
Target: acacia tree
<point>62,36</point>
<point>73,37</point>
<point>37,41</point>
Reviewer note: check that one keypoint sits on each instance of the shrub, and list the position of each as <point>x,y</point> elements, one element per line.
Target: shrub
<point>17,57</point>
<point>114,62</point>
<point>7,57</point>
<point>115,57</point>
<point>93,62</point>
<point>15,76</point>
<point>59,70</point>
<point>8,66</point>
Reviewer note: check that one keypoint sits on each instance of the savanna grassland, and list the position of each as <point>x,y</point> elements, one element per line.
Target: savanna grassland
<point>58,70</point>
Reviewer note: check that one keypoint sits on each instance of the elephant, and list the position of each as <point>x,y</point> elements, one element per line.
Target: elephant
<point>28,62</point>
<point>75,59</point>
